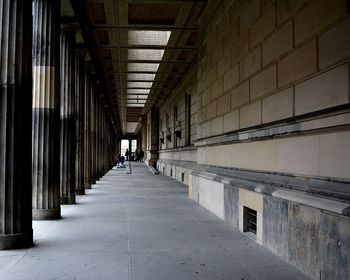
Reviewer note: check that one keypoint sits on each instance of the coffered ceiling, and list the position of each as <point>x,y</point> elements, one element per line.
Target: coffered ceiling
<point>141,49</point>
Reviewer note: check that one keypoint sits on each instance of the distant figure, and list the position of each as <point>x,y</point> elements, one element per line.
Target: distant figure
<point>127,154</point>
<point>137,154</point>
<point>142,154</point>
<point>120,159</point>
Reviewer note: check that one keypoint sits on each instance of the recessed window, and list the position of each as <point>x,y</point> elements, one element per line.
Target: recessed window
<point>182,177</point>
<point>145,54</point>
<point>137,91</point>
<point>131,99</point>
<point>141,77</point>
<point>249,218</point>
<point>171,173</point>
<point>139,104</point>
<point>148,37</point>
<point>137,96</point>
<point>140,84</point>
<point>143,67</point>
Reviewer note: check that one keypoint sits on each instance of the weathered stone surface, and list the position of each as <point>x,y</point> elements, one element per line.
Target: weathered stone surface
<point>240,95</point>
<point>231,35</point>
<point>223,104</point>
<point>250,64</point>
<point>249,15</point>
<point>288,8</point>
<point>15,125</point>
<point>275,226</point>
<point>45,120</point>
<point>323,91</point>
<point>231,200</point>
<point>278,43</point>
<point>67,115</point>
<point>264,82</point>
<point>240,49</point>
<point>231,121</point>
<point>231,78</point>
<point>335,247</point>
<point>223,64</point>
<point>217,126</point>
<point>304,248</point>
<point>250,115</point>
<point>334,45</point>
<point>217,88</point>
<point>278,106</point>
<point>297,65</point>
<point>316,16</point>
<point>263,27</point>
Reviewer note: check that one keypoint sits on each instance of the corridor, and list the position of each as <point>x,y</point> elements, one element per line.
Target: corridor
<point>140,226</point>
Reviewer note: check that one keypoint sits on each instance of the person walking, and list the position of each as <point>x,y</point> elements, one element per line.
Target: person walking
<point>127,154</point>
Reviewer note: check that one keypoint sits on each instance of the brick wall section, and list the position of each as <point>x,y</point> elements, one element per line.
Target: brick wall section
<point>269,60</point>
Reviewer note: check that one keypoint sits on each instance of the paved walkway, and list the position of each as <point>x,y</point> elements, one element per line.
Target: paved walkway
<point>140,226</point>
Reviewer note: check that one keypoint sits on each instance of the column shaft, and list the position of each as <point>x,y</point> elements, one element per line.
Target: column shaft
<point>87,124</point>
<point>92,150</point>
<point>15,125</point>
<point>67,114</point>
<point>79,108</point>
<point>45,135</point>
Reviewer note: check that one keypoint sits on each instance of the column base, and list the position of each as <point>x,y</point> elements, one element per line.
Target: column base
<point>93,181</point>
<point>80,192</point>
<point>16,241</point>
<point>46,214</point>
<point>67,200</point>
<point>87,186</point>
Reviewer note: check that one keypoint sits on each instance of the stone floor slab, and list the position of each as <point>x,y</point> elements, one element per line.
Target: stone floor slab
<point>140,226</point>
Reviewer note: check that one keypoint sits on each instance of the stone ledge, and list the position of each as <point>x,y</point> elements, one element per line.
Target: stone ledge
<point>339,118</point>
<point>332,199</point>
<point>178,149</point>
<point>322,193</point>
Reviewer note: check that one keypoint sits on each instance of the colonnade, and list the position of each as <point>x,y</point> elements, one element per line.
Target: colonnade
<point>56,137</point>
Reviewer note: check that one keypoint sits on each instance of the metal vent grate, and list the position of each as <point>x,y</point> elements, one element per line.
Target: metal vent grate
<point>250,219</point>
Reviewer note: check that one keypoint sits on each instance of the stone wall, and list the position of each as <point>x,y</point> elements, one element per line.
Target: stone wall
<point>180,99</point>
<point>270,94</point>
<point>264,63</point>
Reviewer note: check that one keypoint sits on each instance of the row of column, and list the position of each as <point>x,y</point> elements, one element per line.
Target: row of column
<point>56,138</point>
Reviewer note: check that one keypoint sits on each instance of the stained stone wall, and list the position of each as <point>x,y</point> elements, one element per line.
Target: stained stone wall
<point>270,93</point>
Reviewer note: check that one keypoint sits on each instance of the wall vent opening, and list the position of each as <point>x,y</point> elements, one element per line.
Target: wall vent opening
<point>250,219</point>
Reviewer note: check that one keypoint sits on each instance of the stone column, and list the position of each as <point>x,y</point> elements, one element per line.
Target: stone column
<point>98,144</point>
<point>79,108</point>
<point>144,135</point>
<point>92,149</point>
<point>152,137</point>
<point>15,124</point>
<point>46,191</point>
<point>67,113</point>
<point>87,138</point>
